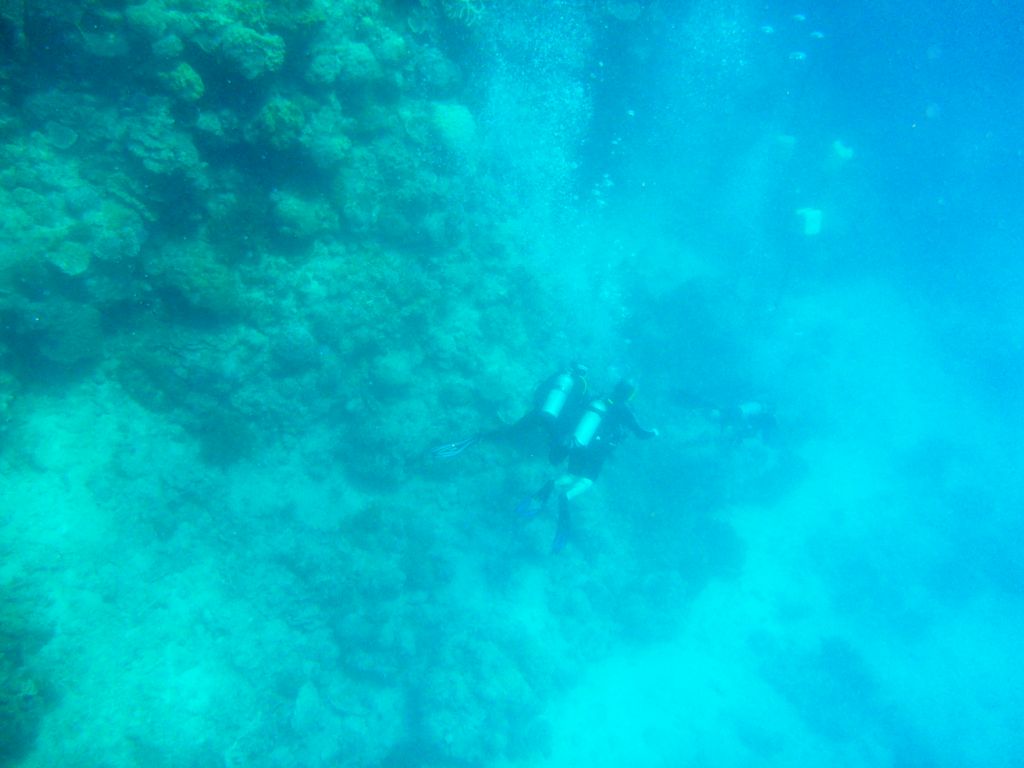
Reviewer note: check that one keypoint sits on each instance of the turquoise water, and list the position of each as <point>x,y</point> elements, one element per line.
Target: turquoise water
<point>257,259</point>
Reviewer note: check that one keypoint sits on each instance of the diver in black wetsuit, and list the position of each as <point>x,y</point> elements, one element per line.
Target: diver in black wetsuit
<point>750,419</point>
<point>557,404</point>
<point>605,423</point>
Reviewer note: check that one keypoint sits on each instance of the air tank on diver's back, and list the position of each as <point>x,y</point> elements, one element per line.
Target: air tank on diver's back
<point>557,396</point>
<point>590,422</point>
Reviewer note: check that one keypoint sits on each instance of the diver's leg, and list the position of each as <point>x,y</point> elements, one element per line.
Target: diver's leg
<point>558,451</point>
<point>579,486</point>
<point>571,488</point>
<point>563,483</point>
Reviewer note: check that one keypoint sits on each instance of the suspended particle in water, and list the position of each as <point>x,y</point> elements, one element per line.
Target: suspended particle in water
<point>797,56</point>
<point>842,151</point>
<point>810,220</point>
<point>799,17</point>
<point>817,35</point>
<point>768,29</point>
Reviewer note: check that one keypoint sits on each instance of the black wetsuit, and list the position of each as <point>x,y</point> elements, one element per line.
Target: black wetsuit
<point>618,422</point>
<point>586,461</point>
<point>740,422</point>
<point>555,430</point>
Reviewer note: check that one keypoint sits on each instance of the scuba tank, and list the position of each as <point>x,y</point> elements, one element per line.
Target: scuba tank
<point>590,423</point>
<point>557,396</point>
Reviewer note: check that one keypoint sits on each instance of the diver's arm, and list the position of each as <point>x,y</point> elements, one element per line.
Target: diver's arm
<point>629,419</point>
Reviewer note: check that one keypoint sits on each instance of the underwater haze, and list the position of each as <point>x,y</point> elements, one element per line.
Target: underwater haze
<point>290,292</point>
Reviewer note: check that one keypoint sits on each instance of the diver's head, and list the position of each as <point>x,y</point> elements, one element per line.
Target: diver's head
<point>578,369</point>
<point>623,391</point>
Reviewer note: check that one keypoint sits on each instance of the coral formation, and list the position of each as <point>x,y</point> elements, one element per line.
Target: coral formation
<point>22,699</point>
<point>184,82</point>
<point>270,227</point>
<point>250,52</point>
<point>465,11</point>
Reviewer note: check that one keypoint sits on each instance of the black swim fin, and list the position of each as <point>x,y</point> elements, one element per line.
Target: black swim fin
<point>564,528</point>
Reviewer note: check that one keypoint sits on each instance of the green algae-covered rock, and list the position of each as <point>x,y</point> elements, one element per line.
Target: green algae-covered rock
<point>219,128</point>
<point>53,215</point>
<point>191,279</point>
<point>389,188</point>
<point>278,124</point>
<point>390,48</point>
<point>347,62</point>
<point>301,218</point>
<point>148,19</point>
<point>70,257</point>
<point>35,230</point>
<point>324,137</point>
<point>252,53</point>
<point>184,83</point>
<point>163,148</point>
<point>168,47</point>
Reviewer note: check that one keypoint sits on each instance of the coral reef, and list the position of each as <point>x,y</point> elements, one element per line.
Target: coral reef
<point>23,699</point>
<point>250,52</point>
<point>184,82</point>
<point>464,11</point>
<point>270,226</point>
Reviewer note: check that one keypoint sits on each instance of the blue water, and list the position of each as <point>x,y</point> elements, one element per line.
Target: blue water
<point>257,259</point>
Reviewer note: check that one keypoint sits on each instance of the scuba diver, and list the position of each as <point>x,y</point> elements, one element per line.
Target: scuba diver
<point>557,404</point>
<point>750,419</point>
<point>605,422</point>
